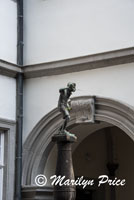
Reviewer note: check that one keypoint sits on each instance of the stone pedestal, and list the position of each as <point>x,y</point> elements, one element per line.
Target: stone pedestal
<point>64,166</point>
<point>34,193</point>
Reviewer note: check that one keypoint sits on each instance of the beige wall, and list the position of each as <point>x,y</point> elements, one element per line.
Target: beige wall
<point>8,31</point>
<point>59,29</point>
<point>7,98</point>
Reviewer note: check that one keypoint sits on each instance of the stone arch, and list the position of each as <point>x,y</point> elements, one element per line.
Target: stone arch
<point>38,144</point>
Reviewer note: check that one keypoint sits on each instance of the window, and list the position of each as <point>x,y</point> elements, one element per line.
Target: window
<point>1,162</point>
<point>7,159</point>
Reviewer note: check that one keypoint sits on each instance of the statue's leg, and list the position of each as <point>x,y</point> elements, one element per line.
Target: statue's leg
<point>66,116</point>
<point>65,122</point>
<point>63,127</point>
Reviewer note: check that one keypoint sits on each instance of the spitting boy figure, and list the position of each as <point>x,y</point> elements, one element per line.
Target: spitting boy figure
<point>64,103</point>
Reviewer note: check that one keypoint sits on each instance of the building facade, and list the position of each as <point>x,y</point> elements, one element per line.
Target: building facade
<point>50,43</point>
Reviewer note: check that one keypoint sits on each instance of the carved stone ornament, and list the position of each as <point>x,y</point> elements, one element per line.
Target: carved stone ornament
<point>83,109</point>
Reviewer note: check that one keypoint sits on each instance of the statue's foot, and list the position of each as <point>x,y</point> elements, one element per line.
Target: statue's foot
<point>65,132</point>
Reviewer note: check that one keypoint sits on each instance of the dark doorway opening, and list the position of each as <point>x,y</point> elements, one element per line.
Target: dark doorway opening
<point>84,194</point>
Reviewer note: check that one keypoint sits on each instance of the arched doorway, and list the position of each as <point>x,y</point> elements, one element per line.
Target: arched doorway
<point>92,157</point>
<point>38,148</point>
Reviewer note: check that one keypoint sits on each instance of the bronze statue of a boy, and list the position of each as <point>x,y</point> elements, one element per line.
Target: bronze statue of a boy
<point>64,103</point>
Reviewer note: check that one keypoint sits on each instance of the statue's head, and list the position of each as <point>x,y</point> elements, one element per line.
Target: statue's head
<point>72,86</point>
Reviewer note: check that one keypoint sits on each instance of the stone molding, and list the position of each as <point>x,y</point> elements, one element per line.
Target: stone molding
<point>43,193</point>
<point>38,144</point>
<point>9,69</point>
<point>94,61</point>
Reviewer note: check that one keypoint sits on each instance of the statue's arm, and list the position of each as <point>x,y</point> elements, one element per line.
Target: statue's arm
<point>61,91</point>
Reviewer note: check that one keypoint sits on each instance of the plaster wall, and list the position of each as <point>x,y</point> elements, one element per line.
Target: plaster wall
<point>41,94</point>
<point>8,32</point>
<point>7,98</point>
<point>60,29</point>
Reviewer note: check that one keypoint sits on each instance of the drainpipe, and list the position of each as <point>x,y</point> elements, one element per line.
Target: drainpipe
<point>20,32</point>
<point>19,125</point>
<point>19,101</point>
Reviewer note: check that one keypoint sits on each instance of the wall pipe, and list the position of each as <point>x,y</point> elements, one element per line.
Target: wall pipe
<point>20,32</point>
<point>19,102</point>
<point>19,126</point>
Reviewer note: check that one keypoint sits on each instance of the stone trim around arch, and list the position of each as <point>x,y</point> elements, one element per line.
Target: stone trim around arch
<point>38,144</point>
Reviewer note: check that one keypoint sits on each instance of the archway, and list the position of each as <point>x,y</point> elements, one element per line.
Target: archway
<point>38,144</point>
<point>106,147</point>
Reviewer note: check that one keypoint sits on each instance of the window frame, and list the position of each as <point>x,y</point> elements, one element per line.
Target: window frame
<point>8,128</point>
<point>2,156</point>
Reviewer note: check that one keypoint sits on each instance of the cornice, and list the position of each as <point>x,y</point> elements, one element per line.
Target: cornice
<point>7,123</point>
<point>89,62</point>
<point>9,69</point>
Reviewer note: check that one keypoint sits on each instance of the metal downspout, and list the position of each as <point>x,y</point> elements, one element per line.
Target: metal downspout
<point>19,101</point>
